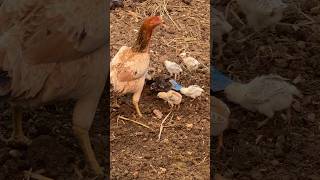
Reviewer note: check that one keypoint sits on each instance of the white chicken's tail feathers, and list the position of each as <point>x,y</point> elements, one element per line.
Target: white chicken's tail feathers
<point>293,89</point>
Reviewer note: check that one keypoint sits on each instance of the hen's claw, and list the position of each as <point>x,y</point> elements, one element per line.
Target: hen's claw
<point>18,141</point>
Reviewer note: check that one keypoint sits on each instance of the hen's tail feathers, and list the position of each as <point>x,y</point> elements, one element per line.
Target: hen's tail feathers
<point>5,82</point>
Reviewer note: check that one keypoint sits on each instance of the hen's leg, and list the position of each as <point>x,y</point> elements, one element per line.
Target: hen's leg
<point>17,138</point>
<point>83,116</point>
<point>135,101</point>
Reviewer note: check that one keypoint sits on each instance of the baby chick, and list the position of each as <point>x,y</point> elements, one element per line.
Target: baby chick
<point>159,84</point>
<point>265,94</point>
<point>262,13</point>
<point>173,68</point>
<point>192,91</point>
<point>191,63</point>
<point>172,97</point>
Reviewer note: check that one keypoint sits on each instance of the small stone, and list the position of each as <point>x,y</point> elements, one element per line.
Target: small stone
<point>136,174</point>
<point>158,113</point>
<point>188,2</point>
<point>15,153</point>
<point>166,140</point>
<point>189,126</point>
<point>311,117</point>
<point>162,170</point>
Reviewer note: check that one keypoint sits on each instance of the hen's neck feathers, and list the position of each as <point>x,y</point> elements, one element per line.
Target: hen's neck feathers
<point>142,42</point>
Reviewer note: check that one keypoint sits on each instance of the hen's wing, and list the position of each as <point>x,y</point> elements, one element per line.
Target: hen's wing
<point>55,30</point>
<point>128,65</point>
<point>263,88</point>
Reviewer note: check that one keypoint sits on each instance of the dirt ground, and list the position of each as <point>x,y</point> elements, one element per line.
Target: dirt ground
<point>277,151</point>
<point>54,152</point>
<point>183,151</point>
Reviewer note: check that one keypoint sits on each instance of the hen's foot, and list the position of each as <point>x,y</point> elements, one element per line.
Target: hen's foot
<point>18,141</point>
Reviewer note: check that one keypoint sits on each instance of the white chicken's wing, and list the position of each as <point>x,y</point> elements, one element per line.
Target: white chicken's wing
<point>54,31</point>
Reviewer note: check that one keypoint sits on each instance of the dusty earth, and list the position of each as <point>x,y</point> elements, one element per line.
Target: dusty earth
<point>54,152</point>
<point>183,150</point>
<point>277,151</point>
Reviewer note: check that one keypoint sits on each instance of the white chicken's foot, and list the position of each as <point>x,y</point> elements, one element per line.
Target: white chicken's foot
<point>17,138</point>
<point>263,123</point>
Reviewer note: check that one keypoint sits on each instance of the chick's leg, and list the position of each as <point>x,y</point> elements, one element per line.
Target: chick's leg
<point>135,101</point>
<point>17,138</point>
<point>83,116</point>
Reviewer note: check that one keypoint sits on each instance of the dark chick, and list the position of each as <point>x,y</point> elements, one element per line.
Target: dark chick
<point>116,4</point>
<point>160,84</point>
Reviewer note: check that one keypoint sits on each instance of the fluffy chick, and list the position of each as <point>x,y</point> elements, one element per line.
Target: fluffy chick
<point>191,63</point>
<point>192,91</point>
<point>173,68</point>
<point>172,97</point>
<point>262,13</point>
<point>265,94</point>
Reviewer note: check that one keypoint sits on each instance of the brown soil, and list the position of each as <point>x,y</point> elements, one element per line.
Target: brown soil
<point>182,152</point>
<point>54,152</point>
<point>277,150</point>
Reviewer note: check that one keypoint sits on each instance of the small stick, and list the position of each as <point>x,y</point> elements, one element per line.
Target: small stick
<point>161,125</point>
<point>141,124</point>
<point>36,176</point>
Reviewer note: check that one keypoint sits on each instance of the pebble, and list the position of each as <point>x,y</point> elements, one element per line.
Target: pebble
<point>158,113</point>
<point>15,153</point>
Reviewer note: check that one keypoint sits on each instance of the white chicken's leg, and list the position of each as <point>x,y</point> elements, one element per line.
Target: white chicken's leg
<point>135,100</point>
<point>83,116</point>
<point>17,137</point>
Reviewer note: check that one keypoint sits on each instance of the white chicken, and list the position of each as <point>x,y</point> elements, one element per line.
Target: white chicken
<point>265,94</point>
<point>192,91</point>
<point>219,27</point>
<point>262,13</point>
<point>191,63</point>
<point>172,97</point>
<point>51,51</point>
<point>173,68</point>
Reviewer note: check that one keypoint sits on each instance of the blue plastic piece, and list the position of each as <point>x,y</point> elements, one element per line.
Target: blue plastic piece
<point>218,80</point>
<point>175,85</point>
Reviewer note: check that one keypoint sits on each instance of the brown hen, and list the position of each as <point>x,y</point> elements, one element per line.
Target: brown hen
<point>130,65</point>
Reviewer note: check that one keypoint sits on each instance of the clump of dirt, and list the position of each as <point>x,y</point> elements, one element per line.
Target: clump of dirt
<point>278,150</point>
<point>183,150</point>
